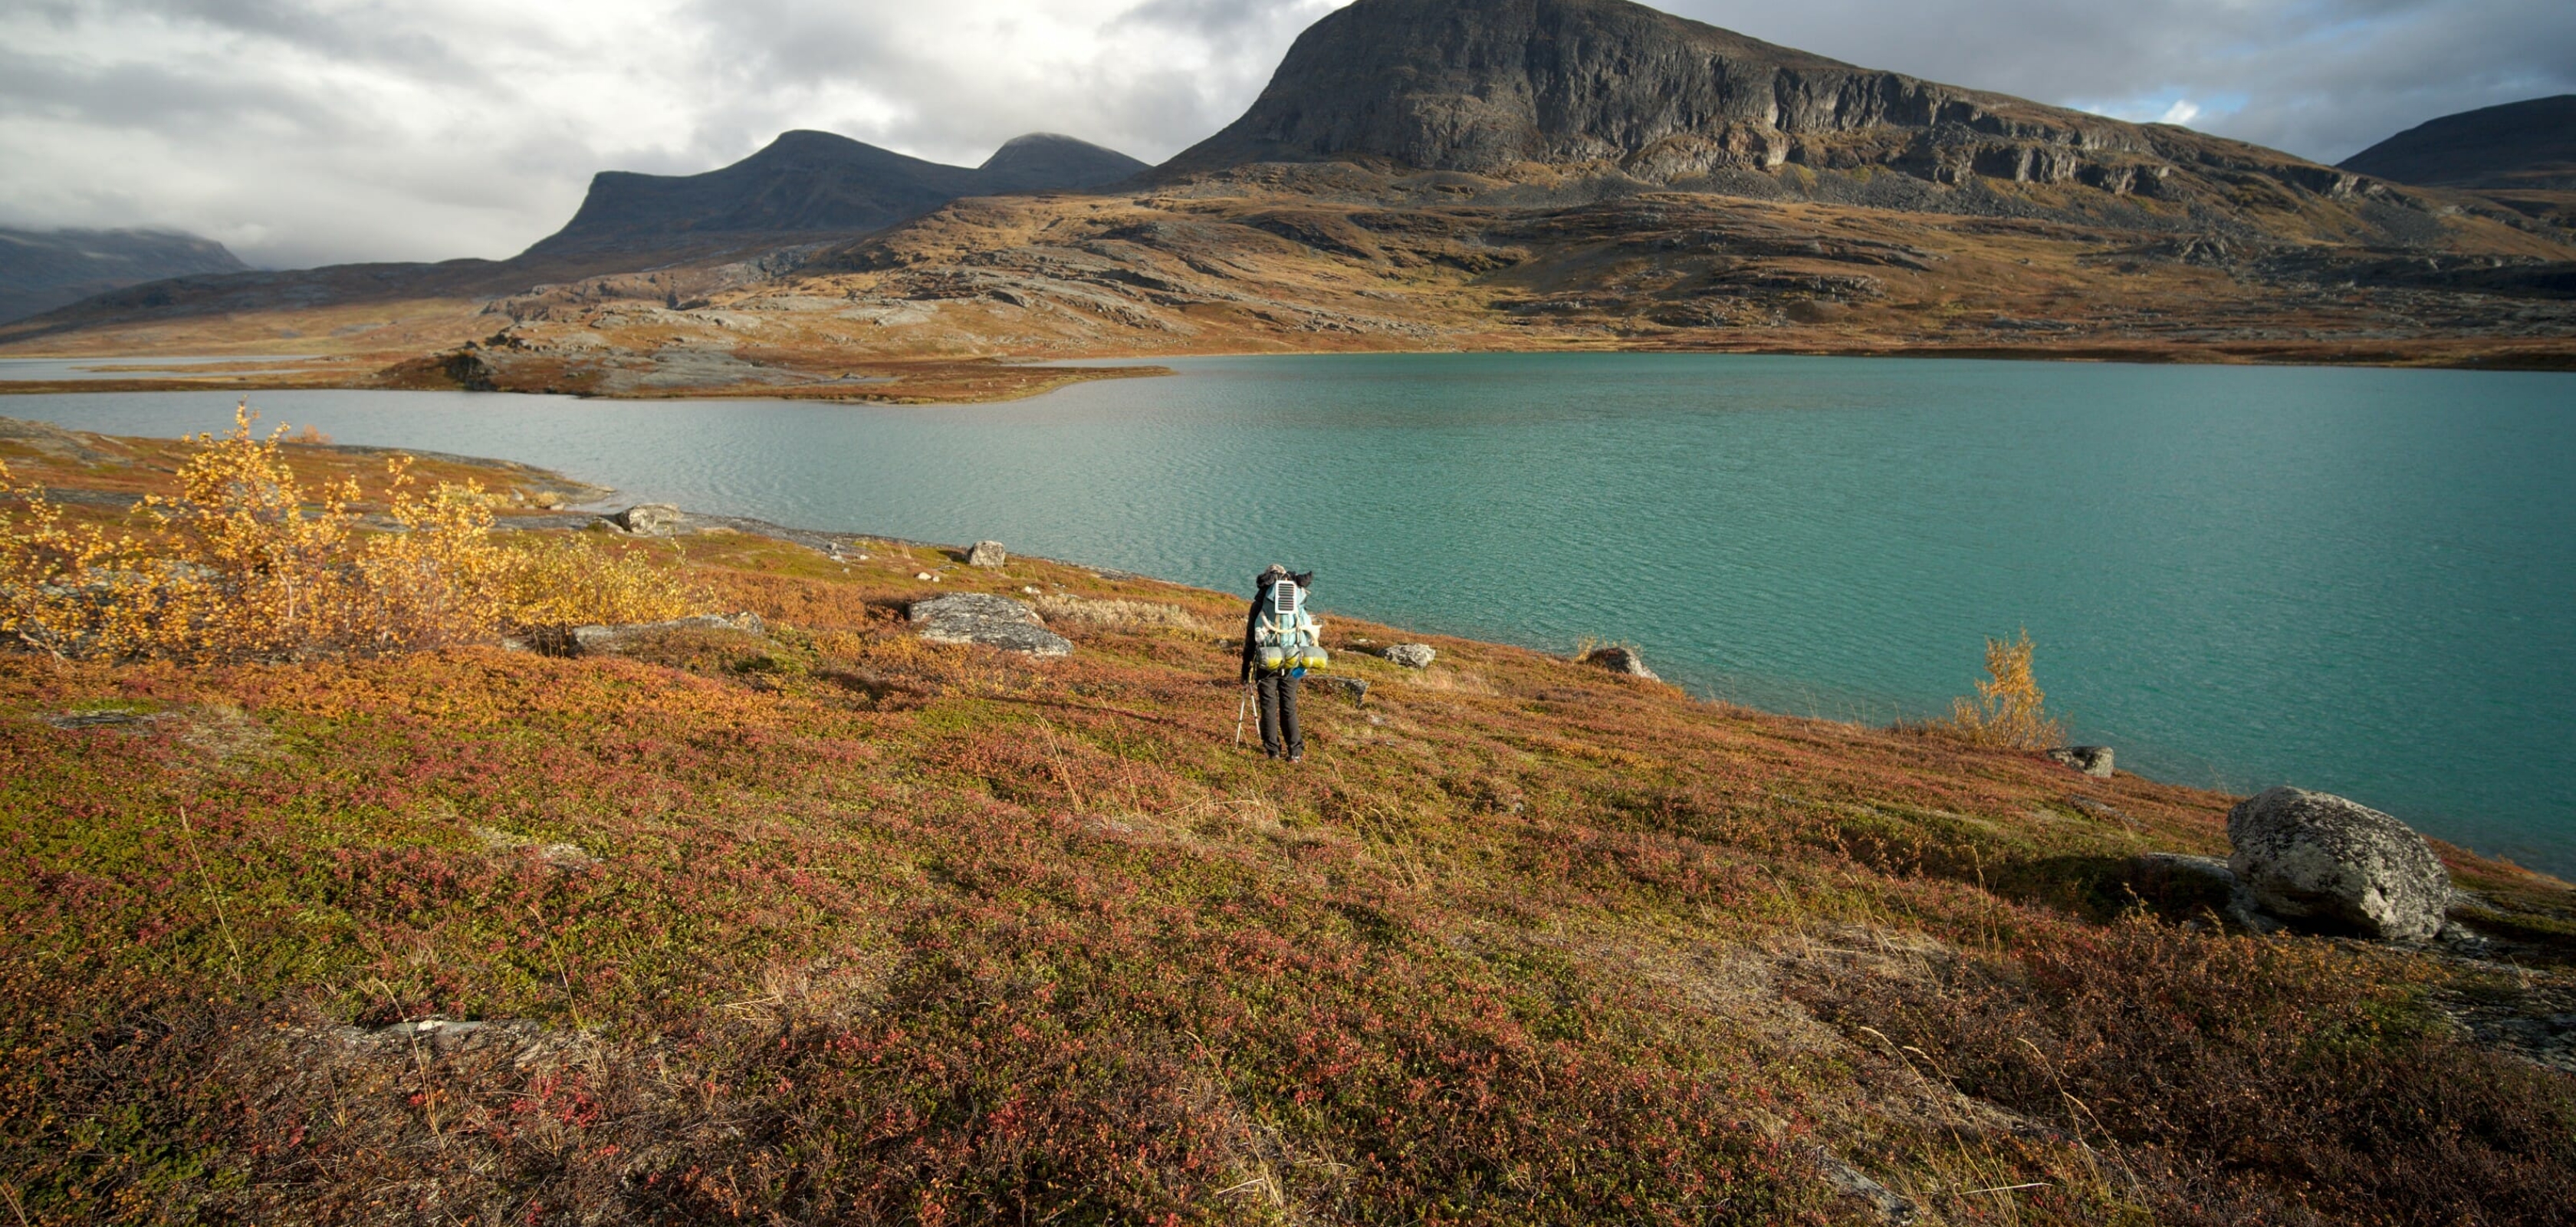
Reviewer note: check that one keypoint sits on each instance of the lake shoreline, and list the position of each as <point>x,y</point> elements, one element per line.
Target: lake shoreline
<point>1797,535</point>
<point>420,373</point>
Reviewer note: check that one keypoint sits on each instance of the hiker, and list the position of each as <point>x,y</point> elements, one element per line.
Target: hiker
<point>1280,642</point>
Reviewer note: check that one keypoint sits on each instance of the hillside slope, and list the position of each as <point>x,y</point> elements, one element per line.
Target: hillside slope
<point>814,183</point>
<point>824,922</point>
<point>802,188</point>
<point>2519,145</point>
<point>44,269</point>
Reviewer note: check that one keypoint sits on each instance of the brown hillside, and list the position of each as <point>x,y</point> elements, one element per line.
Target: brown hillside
<point>821,922</point>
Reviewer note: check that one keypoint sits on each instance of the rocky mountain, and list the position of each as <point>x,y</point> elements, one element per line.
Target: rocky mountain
<point>44,269</point>
<point>816,183</point>
<point>2520,145</point>
<point>1499,87</point>
<point>1450,174</point>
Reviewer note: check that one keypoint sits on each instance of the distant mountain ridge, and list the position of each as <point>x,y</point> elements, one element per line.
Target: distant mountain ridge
<point>809,182</point>
<point>44,269</point>
<point>1484,87</point>
<point>2519,145</point>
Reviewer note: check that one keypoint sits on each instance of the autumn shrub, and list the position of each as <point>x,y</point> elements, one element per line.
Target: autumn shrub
<point>242,562</point>
<point>2007,712</point>
<point>2238,1080</point>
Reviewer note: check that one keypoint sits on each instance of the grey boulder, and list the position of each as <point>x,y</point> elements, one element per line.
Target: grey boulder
<point>987,554</point>
<point>1619,659</point>
<point>1412,655</point>
<point>2323,862</point>
<point>991,621</point>
<point>2091,760</point>
<point>649,519</point>
<point>597,640</point>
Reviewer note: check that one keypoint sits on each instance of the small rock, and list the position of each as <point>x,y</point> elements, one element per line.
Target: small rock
<point>1619,659</point>
<point>1412,655</point>
<point>1851,1182</point>
<point>566,856</point>
<point>1033,590</point>
<point>992,621</point>
<point>2091,760</point>
<point>98,719</point>
<point>987,554</point>
<point>2326,862</point>
<point>649,519</point>
<point>2209,869</point>
<point>922,575</point>
<point>1355,687</point>
<point>610,640</point>
<point>2100,809</point>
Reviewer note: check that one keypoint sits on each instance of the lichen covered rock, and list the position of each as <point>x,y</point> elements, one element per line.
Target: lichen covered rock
<point>991,621</point>
<point>2323,862</point>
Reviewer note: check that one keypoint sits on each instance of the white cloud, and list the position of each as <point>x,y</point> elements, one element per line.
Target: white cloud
<point>2183,111</point>
<point>304,131</point>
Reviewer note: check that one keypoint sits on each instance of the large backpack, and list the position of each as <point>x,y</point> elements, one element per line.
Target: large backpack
<point>1286,637</point>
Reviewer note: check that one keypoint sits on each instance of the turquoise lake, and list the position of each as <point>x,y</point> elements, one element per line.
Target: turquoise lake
<point>2360,581</point>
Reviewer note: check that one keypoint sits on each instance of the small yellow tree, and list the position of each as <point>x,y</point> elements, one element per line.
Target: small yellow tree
<point>241,563</point>
<point>2007,711</point>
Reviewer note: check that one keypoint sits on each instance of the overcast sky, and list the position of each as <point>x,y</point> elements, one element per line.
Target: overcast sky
<point>317,131</point>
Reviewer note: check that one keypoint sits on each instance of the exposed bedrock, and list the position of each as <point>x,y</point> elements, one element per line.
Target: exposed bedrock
<point>1484,87</point>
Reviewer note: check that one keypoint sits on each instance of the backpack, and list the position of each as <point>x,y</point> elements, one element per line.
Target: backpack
<point>1285,636</point>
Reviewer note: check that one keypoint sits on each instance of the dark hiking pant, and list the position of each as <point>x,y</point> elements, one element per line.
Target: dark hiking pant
<point>1279,715</point>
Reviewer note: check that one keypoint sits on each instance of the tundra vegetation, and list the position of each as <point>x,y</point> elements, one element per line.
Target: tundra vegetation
<point>830,924</point>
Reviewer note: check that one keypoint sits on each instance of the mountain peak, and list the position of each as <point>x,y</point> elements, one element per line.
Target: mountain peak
<point>1485,86</point>
<point>1039,161</point>
<point>814,183</point>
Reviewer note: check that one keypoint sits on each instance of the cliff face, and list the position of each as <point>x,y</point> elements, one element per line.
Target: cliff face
<point>1485,87</point>
<point>2526,145</point>
<point>44,269</point>
<point>814,183</point>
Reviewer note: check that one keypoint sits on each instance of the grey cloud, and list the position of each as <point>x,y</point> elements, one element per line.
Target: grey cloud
<point>261,126</point>
<point>2320,79</point>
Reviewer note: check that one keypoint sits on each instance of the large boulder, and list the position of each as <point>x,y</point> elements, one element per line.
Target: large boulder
<point>2324,862</point>
<point>2091,760</point>
<point>992,621</point>
<point>1620,659</point>
<point>649,519</point>
<point>988,554</point>
<point>1412,655</point>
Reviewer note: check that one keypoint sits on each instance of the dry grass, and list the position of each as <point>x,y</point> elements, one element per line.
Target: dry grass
<point>1117,613</point>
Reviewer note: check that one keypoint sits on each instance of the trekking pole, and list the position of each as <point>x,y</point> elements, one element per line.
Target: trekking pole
<point>1239,710</point>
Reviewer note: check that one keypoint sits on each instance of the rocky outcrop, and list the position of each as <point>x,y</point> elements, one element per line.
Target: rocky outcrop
<point>2091,760</point>
<point>990,621</point>
<point>1412,655</point>
<point>649,519</point>
<point>987,554</point>
<point>1620,659</point>
<point>1489,86</point>
<point>2322,862</point>
<point>603,640</point>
